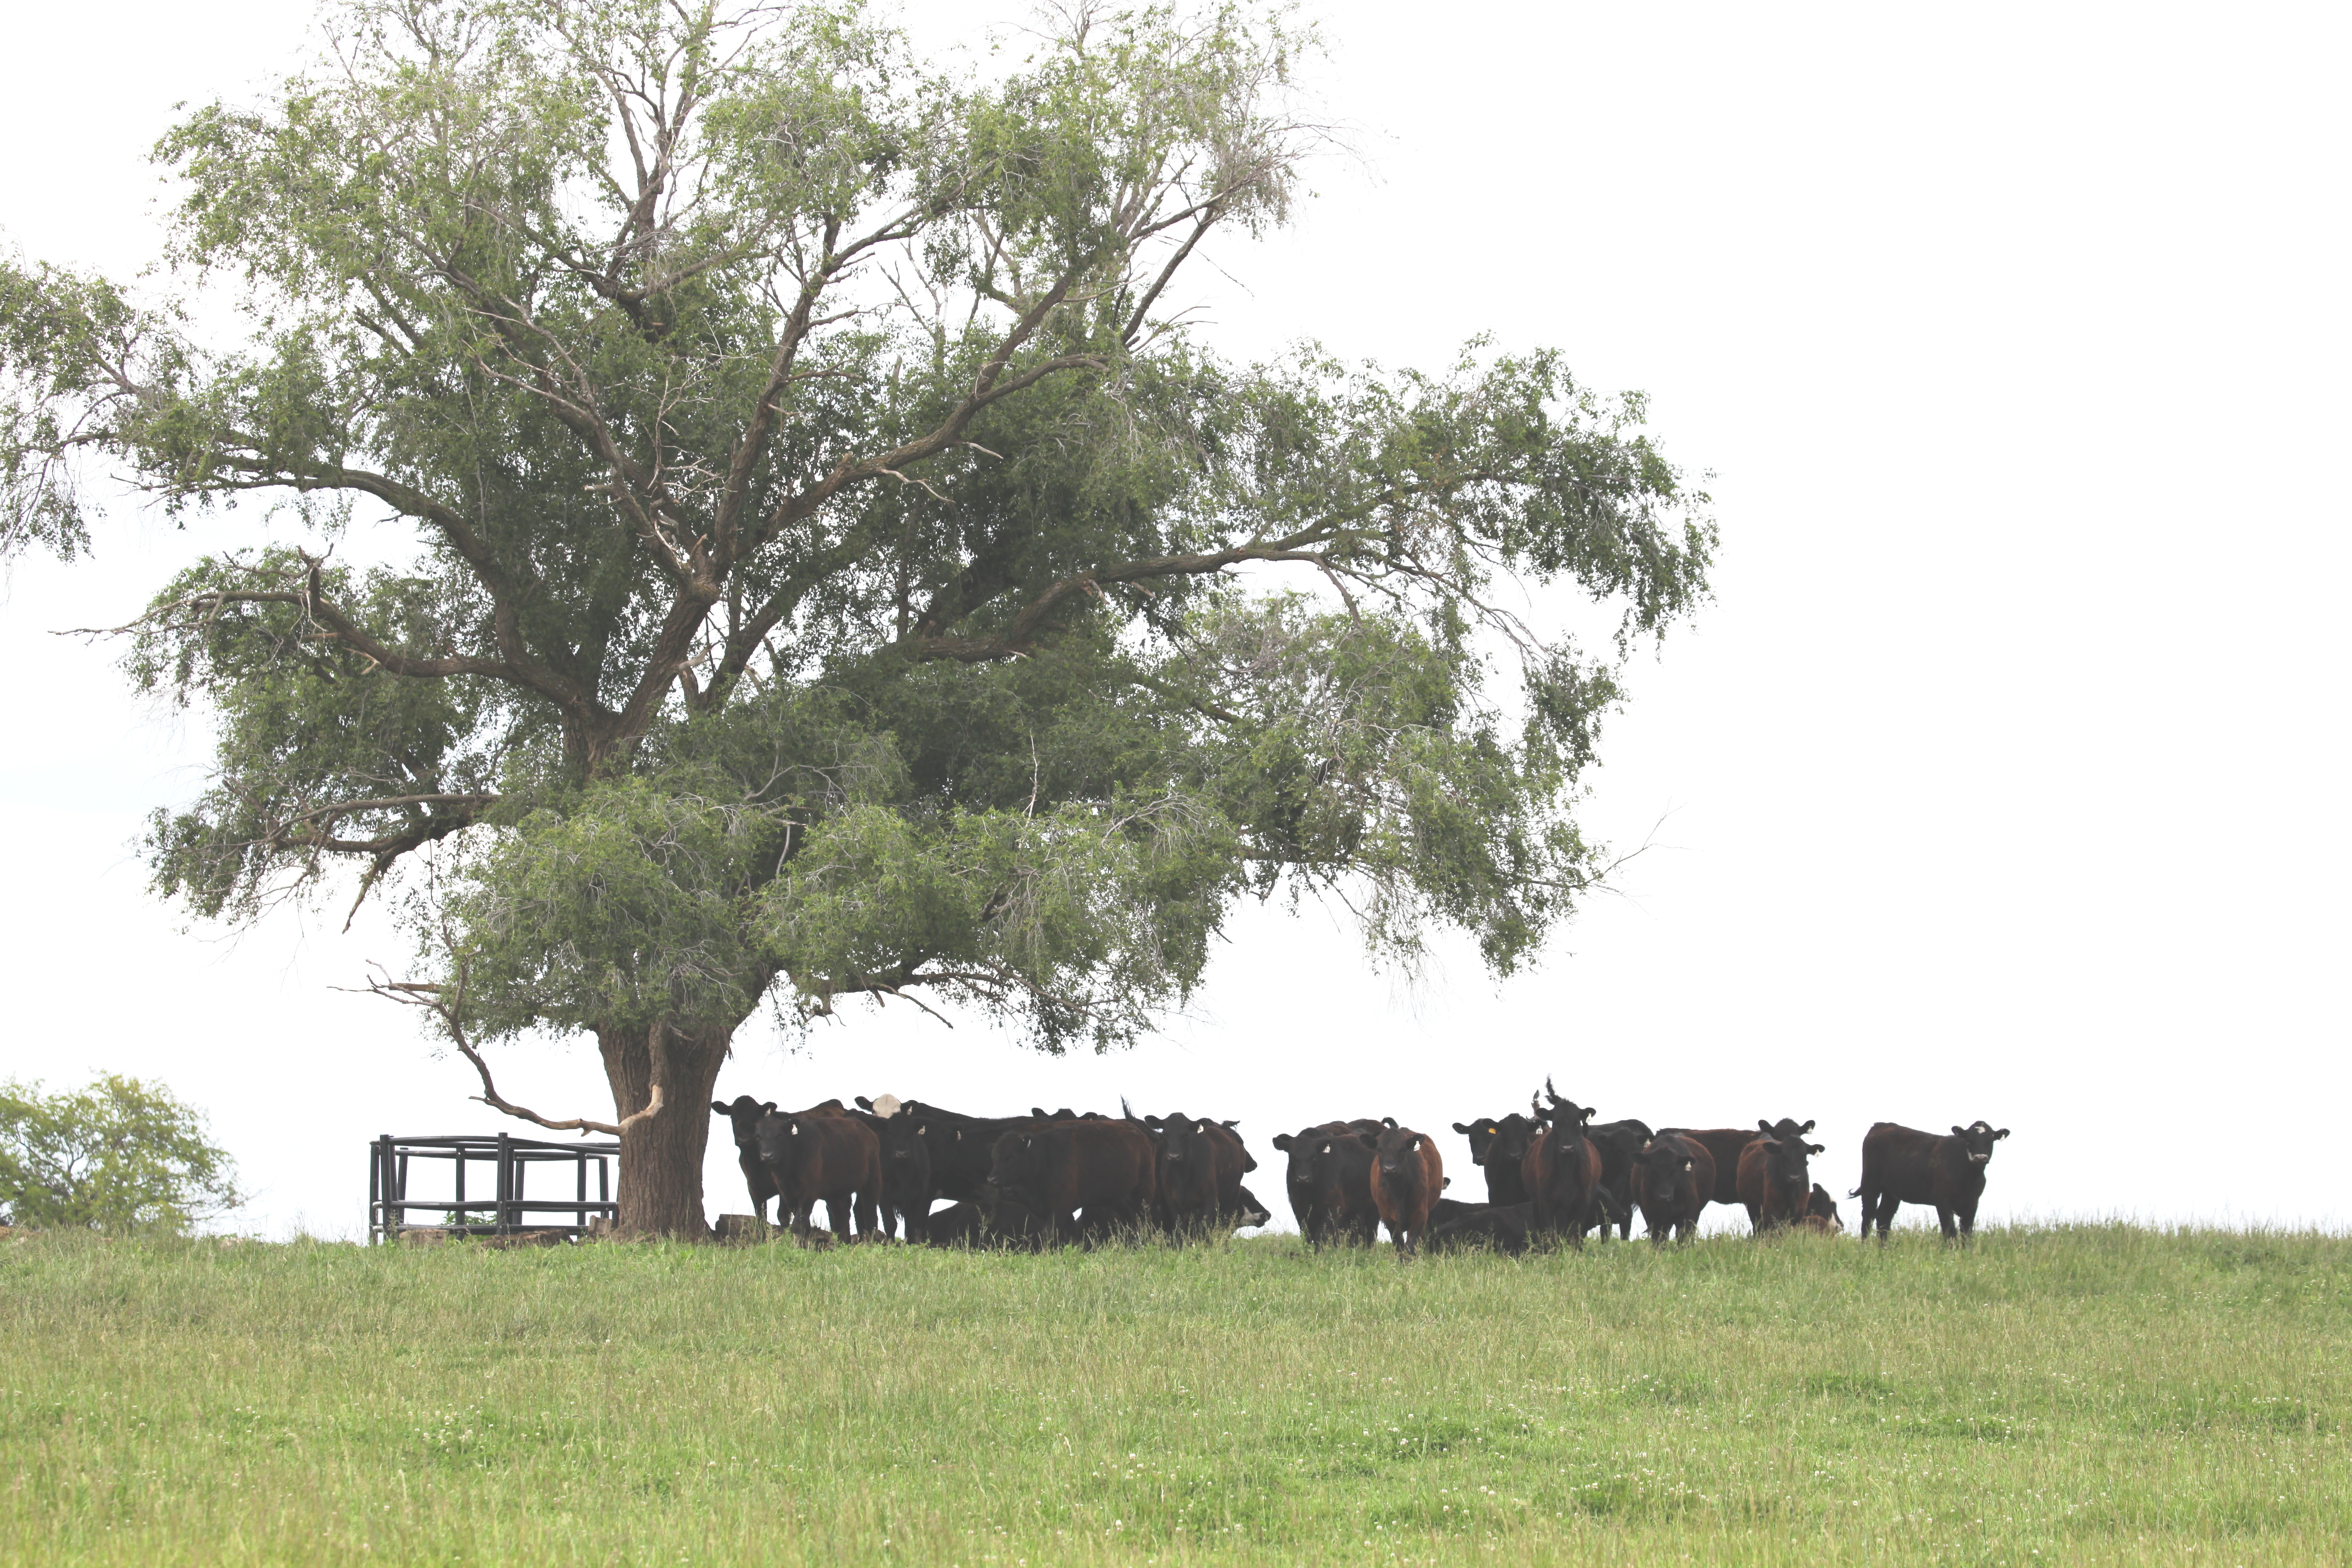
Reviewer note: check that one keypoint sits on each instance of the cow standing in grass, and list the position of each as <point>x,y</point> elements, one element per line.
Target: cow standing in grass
<point>830,1158</point>
<point>1407,1174</point>
<point>743,1115</point>
<point>1775,1186</point>
<point>1620,1143</point>
<point>1198,1179</point>
<point>1499,1144</point>
<point>1057,1168</point>
<point>1562,1170</point>
<point>1330,1181</point>
<point>1673,1181</point>
<point>1904,1165</point>
<point>1724,1143</point>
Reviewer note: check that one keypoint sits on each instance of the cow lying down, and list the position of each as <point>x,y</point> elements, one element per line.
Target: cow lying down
<point>1507,1228</point>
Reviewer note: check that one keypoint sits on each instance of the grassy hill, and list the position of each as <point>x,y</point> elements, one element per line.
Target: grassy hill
<point>2062,1395</point>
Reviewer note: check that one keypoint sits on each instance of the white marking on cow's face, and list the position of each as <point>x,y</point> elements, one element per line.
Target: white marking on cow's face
<point>1975,1158</point>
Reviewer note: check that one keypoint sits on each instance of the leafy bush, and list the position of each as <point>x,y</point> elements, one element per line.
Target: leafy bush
<point>119,1156</point>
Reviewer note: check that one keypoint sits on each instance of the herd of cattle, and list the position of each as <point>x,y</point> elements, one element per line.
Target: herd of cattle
<point>1551,1175</point>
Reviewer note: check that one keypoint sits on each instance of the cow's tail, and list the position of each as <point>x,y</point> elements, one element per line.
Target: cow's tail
<point>1855,1193</point>
<point>1126,1110</point>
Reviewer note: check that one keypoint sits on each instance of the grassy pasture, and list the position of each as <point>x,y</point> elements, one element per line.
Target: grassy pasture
<point>2055,1396</point>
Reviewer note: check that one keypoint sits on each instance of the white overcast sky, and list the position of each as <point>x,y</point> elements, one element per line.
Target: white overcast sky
<point>2006,777</point>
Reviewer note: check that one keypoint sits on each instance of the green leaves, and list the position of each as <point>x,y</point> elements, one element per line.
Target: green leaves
<point>120,1156</point>
<point>808,562</point>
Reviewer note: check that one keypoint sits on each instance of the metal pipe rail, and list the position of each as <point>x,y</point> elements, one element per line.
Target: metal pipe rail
<point>389,1205</point>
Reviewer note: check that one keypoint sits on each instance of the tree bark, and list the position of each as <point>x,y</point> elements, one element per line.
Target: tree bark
<point>661,1156</point>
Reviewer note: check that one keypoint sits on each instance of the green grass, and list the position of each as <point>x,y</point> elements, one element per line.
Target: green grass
<point>2064,1396</point>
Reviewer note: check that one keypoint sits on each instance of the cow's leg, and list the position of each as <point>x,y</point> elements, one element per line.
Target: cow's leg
<point>1944,1218</point>
<point>865,1209</point>
<point>802,1215</point>
<point>1877,1207</point>
<point>1968,1220</point>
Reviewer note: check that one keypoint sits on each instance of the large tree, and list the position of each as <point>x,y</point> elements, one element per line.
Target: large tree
<point>748,528</point>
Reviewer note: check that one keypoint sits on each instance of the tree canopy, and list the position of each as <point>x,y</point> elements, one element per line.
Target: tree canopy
<point>119,1156</point>
<point>748,523</point>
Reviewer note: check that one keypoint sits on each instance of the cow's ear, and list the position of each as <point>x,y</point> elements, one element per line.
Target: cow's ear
<point>1388,1121</point>
<point>863,1103</point>
<point>2002,1133</point>
<point>1029,1142</point>
<point>1960,1132</point>
<point>1282,1141</point>
<point>1816,1149</point>
<point>1458,1127</point>
<point>718,1108</point>
<point>1325,1150</point>
<point>1446,1183</point>
<point>923,1129</point>
<point>1689,1163</point>
<point>1412,1146</point>
<point>1762,1125</point>
<point>768,1108</point>
<point>1202,1130</point>
<point>1230,1122</point>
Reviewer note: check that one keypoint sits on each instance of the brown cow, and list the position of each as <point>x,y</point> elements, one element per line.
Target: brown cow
<point>819,1156</point>
<point>1904,1165</point>
<point>1562,1170</point>
<point>1407,1175</point>
<point>1775,1187</point>
<point>1673,1181</point>
<point>1057,1168</point>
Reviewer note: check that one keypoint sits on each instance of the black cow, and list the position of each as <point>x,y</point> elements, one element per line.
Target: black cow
<point>1673,1181</point>
<point>1331,1183</point>
<point>960,1148</point>
<point>1498,1145</point>
<point>1004,1223</point>
<point>1201,1166</point>
<point>1725,1143</point>
<point>1620,1143</point>
<point>906,1181</point>
<point>822,1157</point>
<point>1775,1186</point>
<point>1057,1168</point>
<point>1507,1229</point>
<point>1904,1165</point>
<point>744,1115</point>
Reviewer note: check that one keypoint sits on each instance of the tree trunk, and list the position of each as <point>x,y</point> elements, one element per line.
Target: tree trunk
<point>661,1157</point>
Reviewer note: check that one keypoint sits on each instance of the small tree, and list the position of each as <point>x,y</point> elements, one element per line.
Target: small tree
<point>120,1156</point>
<point>799,563</point>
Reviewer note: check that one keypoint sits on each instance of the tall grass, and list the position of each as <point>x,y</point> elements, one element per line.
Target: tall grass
<point>2064,1395</point>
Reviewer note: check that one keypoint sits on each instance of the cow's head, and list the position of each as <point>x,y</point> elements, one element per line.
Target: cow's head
<point>1822,1209</point>
<point>1562,1113</point>
<point>1977,1140</point>
<point>1786,1128</point>
<point>1399,1155</point>
<point>743,1115</point>
<point>1014,1164</point>
<point>777,1137</point>
<point>1482,1135</point>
